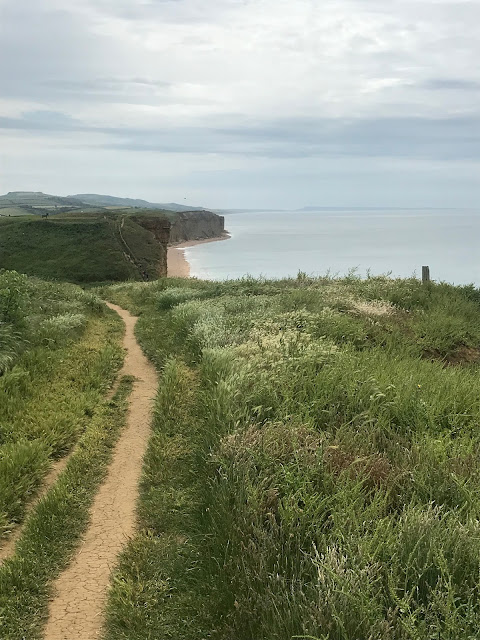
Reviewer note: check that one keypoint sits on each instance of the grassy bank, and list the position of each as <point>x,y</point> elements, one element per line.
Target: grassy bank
<point>59,352</point>
<point>54,529</point>
<point>314,469</point>
<point>79,248</point>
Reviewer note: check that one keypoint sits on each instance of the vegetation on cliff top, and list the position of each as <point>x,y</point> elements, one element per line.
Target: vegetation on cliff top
<point>314,469</point>
<point>99,246</point>
<point>80,248</point>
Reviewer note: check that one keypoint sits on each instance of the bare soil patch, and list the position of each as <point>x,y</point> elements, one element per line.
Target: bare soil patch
<point>462,355</point>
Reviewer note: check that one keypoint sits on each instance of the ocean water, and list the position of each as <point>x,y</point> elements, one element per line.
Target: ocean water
<point>397,242</point>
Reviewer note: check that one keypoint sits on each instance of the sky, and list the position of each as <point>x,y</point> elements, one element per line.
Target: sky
<point>243,103</point>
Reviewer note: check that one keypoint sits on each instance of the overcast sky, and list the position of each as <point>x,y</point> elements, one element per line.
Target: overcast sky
<point>243,103</point>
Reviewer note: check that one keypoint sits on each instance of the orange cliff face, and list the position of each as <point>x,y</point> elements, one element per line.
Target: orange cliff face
<point>186,226</point>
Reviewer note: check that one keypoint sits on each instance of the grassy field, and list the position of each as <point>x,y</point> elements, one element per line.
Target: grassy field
<point>314,470</point>
<point>79,248</point>
<point>15,211</point>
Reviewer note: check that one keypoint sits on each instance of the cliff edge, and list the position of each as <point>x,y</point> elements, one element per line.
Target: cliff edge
<point>181,227</point>
<point>196,225</point>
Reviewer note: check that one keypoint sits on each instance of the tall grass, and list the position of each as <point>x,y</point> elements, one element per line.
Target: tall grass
<point>59,352</point>
<point>57,523</point>
<point>315,468</point>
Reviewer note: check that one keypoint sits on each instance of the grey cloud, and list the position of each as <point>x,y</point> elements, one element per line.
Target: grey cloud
<point>435,139</point>
<point>442,139</point>
<point>104,86</point>
<point>109,90</point>
<point>42,121</point>
<point>50,55</point>
<point>170,11</point>
<point>451,84</point>
<point>80,58</point>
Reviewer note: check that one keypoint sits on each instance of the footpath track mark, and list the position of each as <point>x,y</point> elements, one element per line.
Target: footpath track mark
<point>76,611</point>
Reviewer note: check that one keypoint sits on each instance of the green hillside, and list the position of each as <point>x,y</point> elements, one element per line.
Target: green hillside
<point>79,248</point>
<point>98,200</point>
<point>37,199</point>
<point>314,470</point>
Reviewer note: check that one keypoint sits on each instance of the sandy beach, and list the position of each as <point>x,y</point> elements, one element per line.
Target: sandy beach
<point>177,264</point>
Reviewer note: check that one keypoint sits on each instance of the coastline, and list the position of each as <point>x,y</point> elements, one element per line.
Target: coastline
<point>177,264</point>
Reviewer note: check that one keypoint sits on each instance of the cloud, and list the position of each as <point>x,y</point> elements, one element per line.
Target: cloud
<point>441,139</point>
<point>445,139</point>
<point>451,84</point>
<point>238,80</point>
<point>41,121</point>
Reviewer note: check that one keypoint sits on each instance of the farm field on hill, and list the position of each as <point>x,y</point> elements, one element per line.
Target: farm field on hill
<point>314,470</point>
<point>14,211</point>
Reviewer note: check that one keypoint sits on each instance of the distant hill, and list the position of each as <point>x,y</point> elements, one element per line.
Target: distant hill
<point>98,200</point>
<point>29,201</point>
<point>37,199</point>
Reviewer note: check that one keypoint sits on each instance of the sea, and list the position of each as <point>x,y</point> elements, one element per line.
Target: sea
<point>396,242</point>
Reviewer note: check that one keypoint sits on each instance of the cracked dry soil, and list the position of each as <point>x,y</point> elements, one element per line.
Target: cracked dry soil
<point>76,610</point>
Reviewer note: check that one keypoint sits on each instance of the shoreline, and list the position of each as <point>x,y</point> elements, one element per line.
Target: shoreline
<point>177,264</point>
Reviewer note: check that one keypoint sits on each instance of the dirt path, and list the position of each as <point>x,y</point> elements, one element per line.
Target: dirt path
<point>76,612</point>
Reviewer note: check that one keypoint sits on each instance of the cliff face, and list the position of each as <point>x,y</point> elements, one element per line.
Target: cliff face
<point>160,229</point>
<point>158,226</point>
<point>189,225</point>
<point>196,225</point>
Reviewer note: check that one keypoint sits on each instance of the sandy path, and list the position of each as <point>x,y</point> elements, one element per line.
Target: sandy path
<point>76,611</point>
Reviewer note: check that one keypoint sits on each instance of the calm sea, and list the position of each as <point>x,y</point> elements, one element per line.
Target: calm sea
<point>399,242</point>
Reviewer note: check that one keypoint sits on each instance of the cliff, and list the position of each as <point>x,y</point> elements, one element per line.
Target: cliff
<point>159,227</point>
<point>196,225</point>
<point>182,227</point>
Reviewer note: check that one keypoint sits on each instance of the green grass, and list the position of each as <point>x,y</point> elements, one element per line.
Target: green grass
<point>55,527</point>
<point>59,352</point>
<point>314,468</point>
<point>79,248</point>
<point>15,211</point>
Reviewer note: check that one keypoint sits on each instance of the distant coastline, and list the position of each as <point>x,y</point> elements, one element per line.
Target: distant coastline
<point>177,264</point>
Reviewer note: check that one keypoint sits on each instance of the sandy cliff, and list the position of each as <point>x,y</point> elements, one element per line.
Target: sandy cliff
<point>186,226</point>
<point>196,225</point>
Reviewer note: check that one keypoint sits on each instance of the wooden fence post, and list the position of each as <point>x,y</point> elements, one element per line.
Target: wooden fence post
<point>425,274</point>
